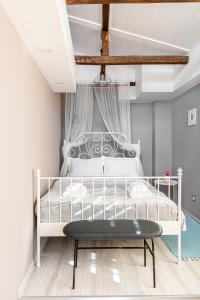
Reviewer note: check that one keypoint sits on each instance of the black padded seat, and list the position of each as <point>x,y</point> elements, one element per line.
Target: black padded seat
<point>112,230</point>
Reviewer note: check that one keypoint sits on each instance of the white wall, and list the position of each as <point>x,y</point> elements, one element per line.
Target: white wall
<point>30,138</point>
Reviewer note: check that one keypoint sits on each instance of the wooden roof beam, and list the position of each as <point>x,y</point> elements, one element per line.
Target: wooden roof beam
<point>105,43</point>
<point>105,17</point>
<point>131,60</point>
<point>74,2</point>
<point>105,35</point>
<point>105,50</point>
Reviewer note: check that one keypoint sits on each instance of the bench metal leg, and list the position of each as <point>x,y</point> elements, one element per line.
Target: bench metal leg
<point>145,247</point>
<point>75,261</point>
<point>145,254</point>
<point>76,254</point>
<point>154,269</point>
<point>151,250</point>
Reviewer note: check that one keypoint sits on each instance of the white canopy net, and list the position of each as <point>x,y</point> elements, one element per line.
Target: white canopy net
<point>115,111</point>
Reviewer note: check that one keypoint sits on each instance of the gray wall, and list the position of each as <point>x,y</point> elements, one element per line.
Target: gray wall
<point>186,147</point>
<point>151,123</point>
<point>162,137</point>
<point>141,122</point>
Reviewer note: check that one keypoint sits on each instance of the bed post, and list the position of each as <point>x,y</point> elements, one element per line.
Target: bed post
<point>180,173</point>
<point>38,174</point>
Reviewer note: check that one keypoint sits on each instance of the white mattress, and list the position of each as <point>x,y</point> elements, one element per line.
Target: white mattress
<point>67,208</point>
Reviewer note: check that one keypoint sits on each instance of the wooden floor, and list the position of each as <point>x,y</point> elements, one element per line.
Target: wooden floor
<point>111,272</point>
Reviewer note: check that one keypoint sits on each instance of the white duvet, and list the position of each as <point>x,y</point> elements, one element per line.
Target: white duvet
<point>77,201</point>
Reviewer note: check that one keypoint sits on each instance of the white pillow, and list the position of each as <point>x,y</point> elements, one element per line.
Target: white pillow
<point>85,167</point>
<point>121,167</point>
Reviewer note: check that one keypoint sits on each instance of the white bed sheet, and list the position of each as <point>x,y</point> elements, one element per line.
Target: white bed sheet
<point>65,208</point>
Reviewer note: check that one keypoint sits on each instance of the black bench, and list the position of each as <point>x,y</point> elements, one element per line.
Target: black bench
<point>113,230</point>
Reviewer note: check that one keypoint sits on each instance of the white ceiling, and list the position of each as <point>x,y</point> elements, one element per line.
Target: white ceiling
<point>87,41</point>
<point>171,23</point>
<point>149,29</point>
<point>177,24</point>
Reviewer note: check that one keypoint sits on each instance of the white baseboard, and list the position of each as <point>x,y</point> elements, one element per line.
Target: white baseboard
<point>25,280</point>
<point>186,211</point>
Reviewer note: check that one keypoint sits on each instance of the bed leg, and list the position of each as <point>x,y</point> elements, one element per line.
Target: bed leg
<point>38,251</point>
<point>179,248</point>
<point>38,175</point>
<point>180,174</point>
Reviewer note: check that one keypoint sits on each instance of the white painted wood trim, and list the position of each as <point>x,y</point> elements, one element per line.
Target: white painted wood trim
<point>25,280</point>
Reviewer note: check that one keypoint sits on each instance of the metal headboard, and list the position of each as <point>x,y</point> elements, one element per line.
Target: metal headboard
<point>97,144</point>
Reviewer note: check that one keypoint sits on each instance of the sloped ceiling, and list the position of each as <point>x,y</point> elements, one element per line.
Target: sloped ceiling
<point>145,29</point>
<point>177,24</point>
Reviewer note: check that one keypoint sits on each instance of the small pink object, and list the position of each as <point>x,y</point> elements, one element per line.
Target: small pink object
<point>167,172</point>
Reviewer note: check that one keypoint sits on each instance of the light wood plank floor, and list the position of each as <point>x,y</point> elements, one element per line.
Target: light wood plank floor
<point>111,272</point>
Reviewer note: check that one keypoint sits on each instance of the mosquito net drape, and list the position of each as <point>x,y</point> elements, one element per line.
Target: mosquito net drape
<point>78,119</point>
<point>114,105</point>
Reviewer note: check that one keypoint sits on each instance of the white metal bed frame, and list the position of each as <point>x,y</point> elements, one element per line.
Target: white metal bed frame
<point>47,229</point>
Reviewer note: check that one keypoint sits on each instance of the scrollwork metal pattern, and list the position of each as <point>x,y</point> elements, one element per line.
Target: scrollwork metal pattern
<point>97,144</point>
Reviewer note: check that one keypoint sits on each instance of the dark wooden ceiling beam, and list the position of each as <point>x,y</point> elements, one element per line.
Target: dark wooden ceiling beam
<point>105,17</point>
<point>130,60</point>
<point>105,43</point>
<point>74,2</point>
<point>105,50</point>
<point>105,35</point>
<point>105,59</point>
